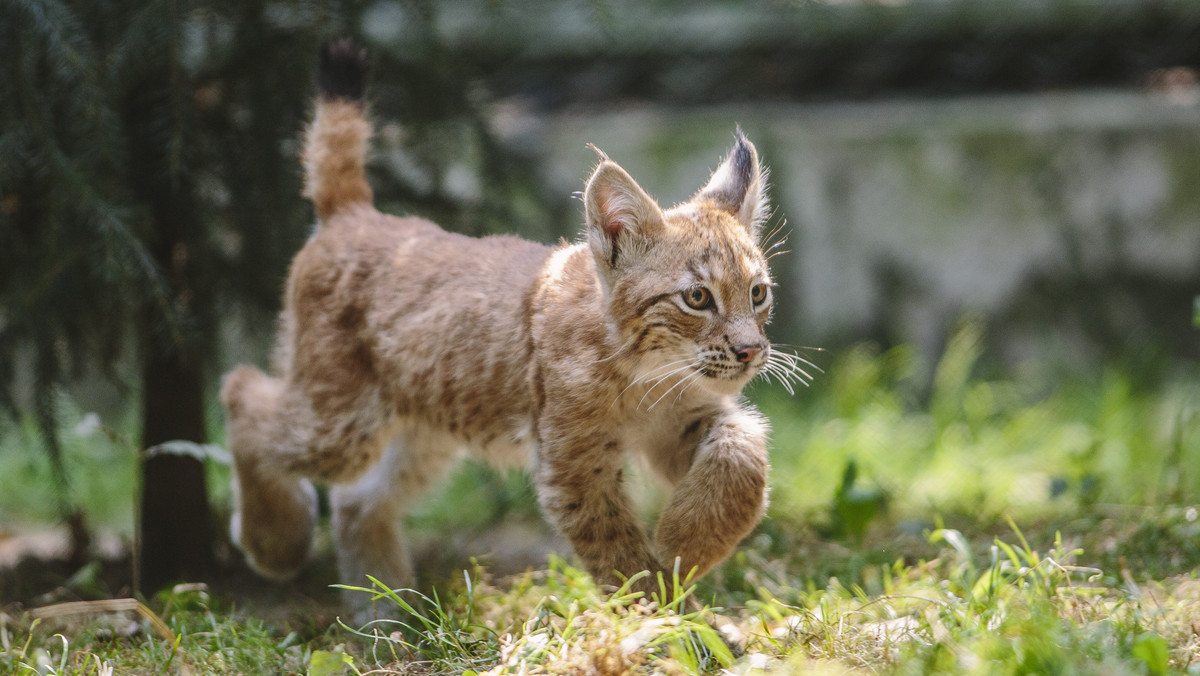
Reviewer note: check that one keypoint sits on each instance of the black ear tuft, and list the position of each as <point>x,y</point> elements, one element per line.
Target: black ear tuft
<point>742,172</point>
<point>342,73</point>
<point>738,185</point>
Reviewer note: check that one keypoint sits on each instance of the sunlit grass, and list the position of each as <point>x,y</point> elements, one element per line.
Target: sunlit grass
<point>1022,446</point>
<point>1024,609</point>
<point>202,640</point>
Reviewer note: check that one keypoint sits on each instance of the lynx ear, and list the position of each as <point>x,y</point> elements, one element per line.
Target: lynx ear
<point>622,220</point>
<point>738,186</point>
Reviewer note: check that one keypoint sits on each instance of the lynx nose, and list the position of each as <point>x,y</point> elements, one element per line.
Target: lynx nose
<point>747,353</point>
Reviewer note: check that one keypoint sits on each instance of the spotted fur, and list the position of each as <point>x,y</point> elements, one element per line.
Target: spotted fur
<point>403,346</point>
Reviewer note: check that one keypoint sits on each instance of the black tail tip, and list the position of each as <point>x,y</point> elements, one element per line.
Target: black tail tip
<point>342,73</point>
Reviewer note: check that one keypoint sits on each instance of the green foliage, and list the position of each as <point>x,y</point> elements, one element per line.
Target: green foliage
<point>1153,651</point>
<point>476,496</point>
<point>1023,445</point>
<point>326,663</point>
<point>854,506</point>
<point>100,464</point>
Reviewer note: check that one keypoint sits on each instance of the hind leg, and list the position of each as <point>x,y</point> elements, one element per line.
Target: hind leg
<point>279,441</point>
<point>368,513</point>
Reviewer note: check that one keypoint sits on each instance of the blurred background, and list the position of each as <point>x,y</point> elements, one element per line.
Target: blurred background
<point>992,213</point>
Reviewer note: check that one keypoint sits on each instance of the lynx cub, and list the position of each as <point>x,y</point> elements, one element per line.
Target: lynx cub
<point>401,345</point>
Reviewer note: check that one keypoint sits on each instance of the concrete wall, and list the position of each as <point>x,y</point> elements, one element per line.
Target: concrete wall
<point>1070,221</point>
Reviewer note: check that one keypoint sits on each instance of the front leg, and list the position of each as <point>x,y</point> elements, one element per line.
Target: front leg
<point>723,494</point>
<point>580,488</point>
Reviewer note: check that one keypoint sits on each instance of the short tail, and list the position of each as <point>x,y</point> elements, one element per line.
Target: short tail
<point>335,144</point>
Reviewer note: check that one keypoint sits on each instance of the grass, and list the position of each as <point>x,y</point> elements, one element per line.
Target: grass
<point>199,639</point>
<point>924,519</point>
<point>1028,446</point>
<point>100,466</point>
<point>1021,611</point>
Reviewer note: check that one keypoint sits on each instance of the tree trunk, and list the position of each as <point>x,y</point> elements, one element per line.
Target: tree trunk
<point>176,525</point>
<point>175,534</point>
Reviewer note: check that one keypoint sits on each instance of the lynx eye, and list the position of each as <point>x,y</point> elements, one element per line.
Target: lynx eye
<point>698,298</point>
<point>758,293</point>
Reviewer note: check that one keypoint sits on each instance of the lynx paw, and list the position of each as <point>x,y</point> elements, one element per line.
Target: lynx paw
<point>273,524</point>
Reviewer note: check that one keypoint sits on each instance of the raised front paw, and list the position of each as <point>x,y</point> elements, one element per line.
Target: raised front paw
<point>722,496</point>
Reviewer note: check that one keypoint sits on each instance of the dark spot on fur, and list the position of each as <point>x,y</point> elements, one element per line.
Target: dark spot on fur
<point>539,392</point>
<point>351,318</point>
<point>361,359</point>
<point>651,302</point>
<point>637,343</point>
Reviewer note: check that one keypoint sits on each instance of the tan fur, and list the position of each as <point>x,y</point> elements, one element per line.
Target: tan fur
<point>335,155</point>
<point>404,342</point>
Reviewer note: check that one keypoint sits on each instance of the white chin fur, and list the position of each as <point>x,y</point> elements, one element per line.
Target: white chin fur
<point>728,386</point>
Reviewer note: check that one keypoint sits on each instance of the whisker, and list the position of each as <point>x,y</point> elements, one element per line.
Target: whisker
<point>769,373</point>
<point>798,347</point>
<point>787,383</point>
<point>657,375</point>
<point>797,378</point>
<point>690,380</point>
<point>766,373</point>
<point>777,230</point>
<point>651,375</point>
<point>797,370</point>
<point>788,367</point>
<point>794,361</point>
<point>795,357</point>
<point>790,363</point>
<point>774,231</point>
<point>783,367</point>
<point>618,351</point>
<point>659,382</point>
<point>682,380</point>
